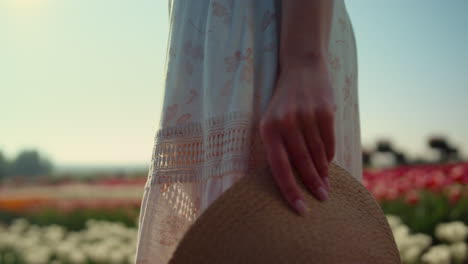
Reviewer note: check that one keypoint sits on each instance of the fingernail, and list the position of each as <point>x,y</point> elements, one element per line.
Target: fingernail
<point>322,194</point>
<point>327,183</point>
<point>300,206</point>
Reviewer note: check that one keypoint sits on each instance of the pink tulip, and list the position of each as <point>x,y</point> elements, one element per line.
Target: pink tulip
<point>392,194</point>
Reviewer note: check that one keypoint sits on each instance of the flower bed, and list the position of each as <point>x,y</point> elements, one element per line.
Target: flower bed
<point>419,248</point>
<point>100,242</point>
<point>422,196</point>
<point>71,204</point>
<point>426,206</point>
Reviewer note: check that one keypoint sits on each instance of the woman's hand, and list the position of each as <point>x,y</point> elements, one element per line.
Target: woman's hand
<point>297,130</point>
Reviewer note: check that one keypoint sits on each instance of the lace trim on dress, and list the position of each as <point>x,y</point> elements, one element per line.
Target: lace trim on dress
<point>197,151</point>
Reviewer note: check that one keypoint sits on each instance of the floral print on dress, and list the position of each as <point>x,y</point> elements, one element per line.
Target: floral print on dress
<point>233,63</point>
<point>193,94</point>
<point>171,112</point>
<point>184,118</point>
<point>347,87</point>
<point>334,61</point>
<point>192,53</point>
<point>222,11</point>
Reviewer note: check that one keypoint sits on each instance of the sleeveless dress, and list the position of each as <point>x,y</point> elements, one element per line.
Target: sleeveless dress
<point>221,65</point>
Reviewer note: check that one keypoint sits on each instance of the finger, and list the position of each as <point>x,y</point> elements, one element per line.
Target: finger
<point>315,145</point>
<point>302,160</point>
<point>326,120</point>
<point>281,169</point>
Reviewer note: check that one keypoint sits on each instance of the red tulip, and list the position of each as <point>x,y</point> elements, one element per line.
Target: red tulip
<point>435,181</point>
<point>459,173</point>
<point>454,194</point>
<point>412,197</point>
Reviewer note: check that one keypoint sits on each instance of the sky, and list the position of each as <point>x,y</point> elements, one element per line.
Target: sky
<point>82,81</point>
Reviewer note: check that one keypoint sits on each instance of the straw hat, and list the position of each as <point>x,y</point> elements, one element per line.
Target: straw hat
<point>251,223</point>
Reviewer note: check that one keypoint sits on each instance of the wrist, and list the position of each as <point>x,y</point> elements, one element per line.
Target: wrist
<point>306,60</point>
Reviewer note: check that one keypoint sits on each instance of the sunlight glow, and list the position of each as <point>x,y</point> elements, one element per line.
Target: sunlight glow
<point>22,4</point>
<point>24,13</point>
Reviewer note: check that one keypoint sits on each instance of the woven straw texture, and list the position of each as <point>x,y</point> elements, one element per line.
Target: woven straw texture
<point>251,223</point>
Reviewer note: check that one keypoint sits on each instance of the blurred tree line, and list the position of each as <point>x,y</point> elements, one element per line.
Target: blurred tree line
<point>28,163</point>
<point>446,152</point>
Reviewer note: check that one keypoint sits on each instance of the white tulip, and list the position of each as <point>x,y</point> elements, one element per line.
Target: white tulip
<point>439,254</point>
<point>131,258</point>
<point>401,234</point>
<point>451,232</point>
<point>401,230</point>
<point>77,257</point>
<point>37,255</point>
<point>393,221</point>
<point>116,257</point>
<point>54,233</point>
<point>64,250</point>
<point>100,242</point>
<point>411,255</point>
<point>19,226</point>
<point>421,240</point>
<point>97,254</point>
<point>459,251</point>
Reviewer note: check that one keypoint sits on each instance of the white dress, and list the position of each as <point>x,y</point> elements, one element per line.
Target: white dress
<point>220,75</point>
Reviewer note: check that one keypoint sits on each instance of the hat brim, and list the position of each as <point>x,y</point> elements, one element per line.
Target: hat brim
<point>251,223</point>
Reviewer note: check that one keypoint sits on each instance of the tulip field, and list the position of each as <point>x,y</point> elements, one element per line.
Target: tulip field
<point>427,209</point>
<point>96,222</point>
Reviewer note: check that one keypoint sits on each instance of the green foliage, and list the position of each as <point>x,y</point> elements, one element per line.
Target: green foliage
<point>432,209</point>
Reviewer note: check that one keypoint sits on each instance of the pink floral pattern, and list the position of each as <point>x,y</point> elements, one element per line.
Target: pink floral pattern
<point>221,10</point>
<point>234,62</point>
<point>171,112</point>
<point>334,61</point>
<point>184,118</point>
<point>192,95</point>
